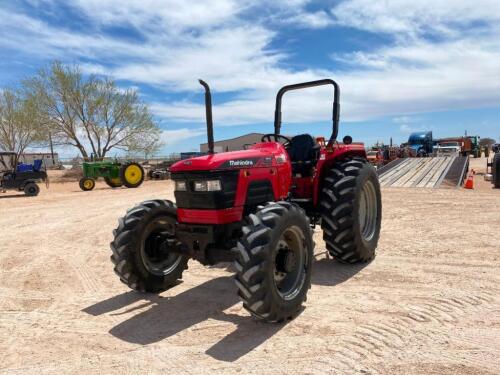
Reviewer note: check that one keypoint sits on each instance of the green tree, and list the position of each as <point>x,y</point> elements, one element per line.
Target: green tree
<point>91,113</point>
<point>21,123</point>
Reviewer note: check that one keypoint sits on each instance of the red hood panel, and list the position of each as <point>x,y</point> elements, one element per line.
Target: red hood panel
<point>233,159</point>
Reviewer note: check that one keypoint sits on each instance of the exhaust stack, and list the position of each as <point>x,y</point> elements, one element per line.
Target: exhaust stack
<point>208,111</point>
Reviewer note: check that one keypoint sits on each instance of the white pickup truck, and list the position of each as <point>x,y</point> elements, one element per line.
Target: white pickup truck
<point>447,148</point>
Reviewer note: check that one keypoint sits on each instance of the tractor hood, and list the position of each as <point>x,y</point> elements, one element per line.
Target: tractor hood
<point>261,154</point>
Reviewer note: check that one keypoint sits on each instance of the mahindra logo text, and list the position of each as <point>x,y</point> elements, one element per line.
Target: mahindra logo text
<point>240,163</point>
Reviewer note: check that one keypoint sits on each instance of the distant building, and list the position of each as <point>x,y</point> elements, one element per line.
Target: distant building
<point>233,144</point>
<point>30,157</point>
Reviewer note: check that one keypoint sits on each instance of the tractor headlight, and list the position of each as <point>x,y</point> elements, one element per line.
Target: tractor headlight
<point>207,185</point>
<point>180,185</point>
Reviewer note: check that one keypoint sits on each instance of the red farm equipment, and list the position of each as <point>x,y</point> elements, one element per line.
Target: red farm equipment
<point>257,207</point>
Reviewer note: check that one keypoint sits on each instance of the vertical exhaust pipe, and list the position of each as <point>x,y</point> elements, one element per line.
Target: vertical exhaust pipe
<point>208,111</point>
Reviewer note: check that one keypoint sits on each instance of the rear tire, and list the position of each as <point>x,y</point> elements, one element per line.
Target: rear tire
<point>87,183</point>
<point>351,210</point>
<point>31,189</point>
<point>496,170</point>
<point>274,262</point>
<point>140,260</point>
<point>132,174</point>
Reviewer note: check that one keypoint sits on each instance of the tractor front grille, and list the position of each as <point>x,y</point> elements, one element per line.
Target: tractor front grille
<point>212,200</point>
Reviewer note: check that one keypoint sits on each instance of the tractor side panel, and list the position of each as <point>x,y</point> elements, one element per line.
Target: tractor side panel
<point>255,180</point>
<point>101,169</point>
<point>304,187</point>
<point>87,170</point>
<point>330,157</point>
<point>260,192</point>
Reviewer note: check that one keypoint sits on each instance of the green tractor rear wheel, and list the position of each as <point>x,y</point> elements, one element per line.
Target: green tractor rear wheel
<point>132,174</point>
<point>113,182</point>
<point>87,184</point>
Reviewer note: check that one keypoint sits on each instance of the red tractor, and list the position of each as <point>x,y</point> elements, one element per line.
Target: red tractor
<point>257,207</point>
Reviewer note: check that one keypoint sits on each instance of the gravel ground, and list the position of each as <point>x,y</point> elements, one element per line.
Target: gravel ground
<point>428,304</point>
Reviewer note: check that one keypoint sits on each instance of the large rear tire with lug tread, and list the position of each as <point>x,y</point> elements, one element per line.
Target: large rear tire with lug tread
<point>273,266</point>
<point>142,247</point>
<point>351,210</point>
<point>496,170</point>
<point>113,182</point>
<point>132,174</point>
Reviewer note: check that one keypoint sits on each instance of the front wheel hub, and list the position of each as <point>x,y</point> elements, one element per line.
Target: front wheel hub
<point>285,261</point>
<point>290,261</point>
<point>159,249</point>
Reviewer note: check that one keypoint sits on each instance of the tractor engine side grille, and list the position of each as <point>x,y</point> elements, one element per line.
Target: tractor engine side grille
<point>210,200</point>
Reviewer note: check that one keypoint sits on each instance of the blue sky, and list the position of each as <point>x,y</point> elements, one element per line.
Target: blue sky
<point>401,65</point>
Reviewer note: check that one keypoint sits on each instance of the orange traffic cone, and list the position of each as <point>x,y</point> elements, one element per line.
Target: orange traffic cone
<point>469,183</point>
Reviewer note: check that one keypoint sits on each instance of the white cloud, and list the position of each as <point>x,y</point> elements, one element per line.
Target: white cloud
<point>313,20</point>
<point>415,17</point>
<point>169,15</point>
<point>217,41</point>
<point>171,137</point>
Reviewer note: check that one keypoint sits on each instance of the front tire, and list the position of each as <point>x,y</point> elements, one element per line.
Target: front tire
<point>142,247</point>
<point>87,183</point>
<point>274,262</point>
<point>351,210</point>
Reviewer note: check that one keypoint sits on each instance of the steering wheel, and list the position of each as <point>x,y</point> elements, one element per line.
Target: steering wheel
<point>275,138</point>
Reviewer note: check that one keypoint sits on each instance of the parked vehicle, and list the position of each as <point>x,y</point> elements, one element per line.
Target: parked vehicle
<point>115,174</point>
<point>257,207</point>
<point>469,145</point>
<point>447,148</point>
<point>421,143</point>
<point>375,157</point>
<point>21,177</point>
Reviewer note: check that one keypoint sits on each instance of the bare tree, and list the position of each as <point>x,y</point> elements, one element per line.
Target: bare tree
<point>90,113</point>
<point>20,122</point>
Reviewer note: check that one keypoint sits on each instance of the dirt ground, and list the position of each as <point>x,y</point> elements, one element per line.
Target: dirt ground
<point>428,304</point>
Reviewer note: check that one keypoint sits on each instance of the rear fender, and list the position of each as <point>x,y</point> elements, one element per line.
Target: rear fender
<point>328,158</point>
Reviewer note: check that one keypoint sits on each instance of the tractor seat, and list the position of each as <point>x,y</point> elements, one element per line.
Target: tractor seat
<point>303,152</point>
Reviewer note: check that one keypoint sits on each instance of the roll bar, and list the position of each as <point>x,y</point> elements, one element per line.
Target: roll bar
<point>208,113</point>
<point>304,85</point>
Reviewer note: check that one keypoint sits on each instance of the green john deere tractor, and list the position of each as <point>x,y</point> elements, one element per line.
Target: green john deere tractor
<point>115,174</point>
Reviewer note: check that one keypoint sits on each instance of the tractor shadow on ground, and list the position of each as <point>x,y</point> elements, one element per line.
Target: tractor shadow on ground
<point>168,316</point>
<point>330,272</point>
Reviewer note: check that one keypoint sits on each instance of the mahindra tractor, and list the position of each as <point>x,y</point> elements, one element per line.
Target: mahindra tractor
<point>258,208</point>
